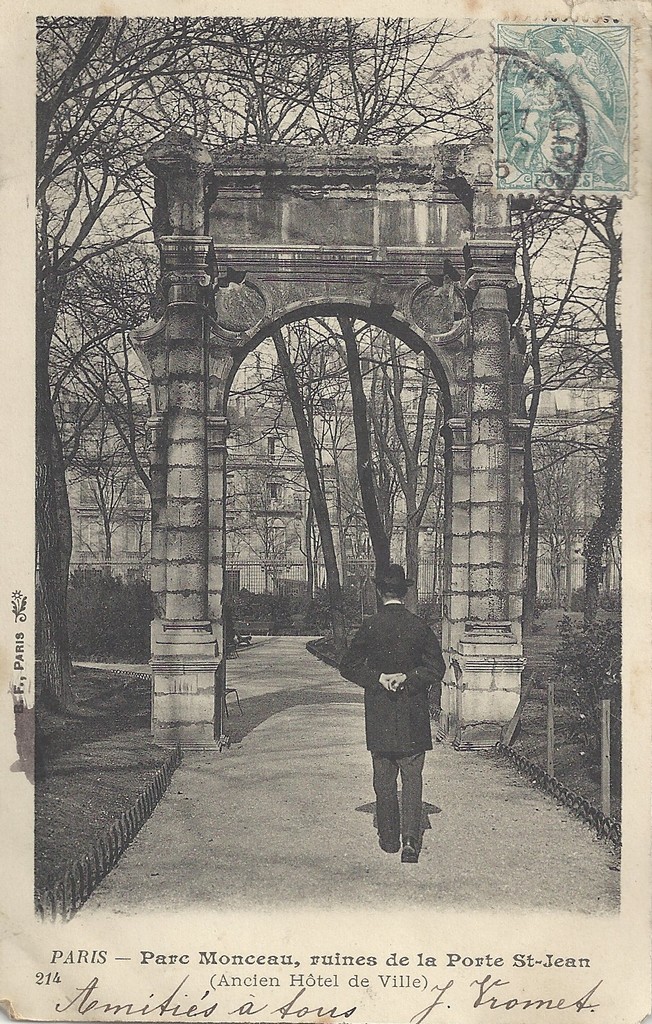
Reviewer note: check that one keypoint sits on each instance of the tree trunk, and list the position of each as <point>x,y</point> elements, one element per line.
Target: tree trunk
<point>532,499</point>
<point>53,528</point>
<point>310,564</point>
<point>600,533</point>
<point>568,544</point>
<point>412,558</point>
<point>318,497</point>
<point>341,535</point>
<point>375,525</point>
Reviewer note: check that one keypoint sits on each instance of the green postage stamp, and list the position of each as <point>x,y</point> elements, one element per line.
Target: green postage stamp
<point>563,107</point>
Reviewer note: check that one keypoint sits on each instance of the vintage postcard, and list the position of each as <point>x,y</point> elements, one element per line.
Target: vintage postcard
<point>327,475</point>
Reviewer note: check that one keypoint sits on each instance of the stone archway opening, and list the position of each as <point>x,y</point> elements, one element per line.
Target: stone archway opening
<point>400,412</point>
<point>414,241</point>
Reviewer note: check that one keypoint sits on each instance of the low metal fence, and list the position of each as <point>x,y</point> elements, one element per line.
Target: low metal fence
<point>62,897</point>
<point>605,826</point>
<point>599,818</point>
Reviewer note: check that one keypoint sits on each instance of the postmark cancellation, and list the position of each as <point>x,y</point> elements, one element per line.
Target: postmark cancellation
<point>562,107</point>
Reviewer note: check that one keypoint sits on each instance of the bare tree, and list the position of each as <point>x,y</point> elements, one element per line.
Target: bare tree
<point>379,539</point>
<point>317,493</point>
<point>90,190</point>
<point>569,258</point>
<point>411,446</point>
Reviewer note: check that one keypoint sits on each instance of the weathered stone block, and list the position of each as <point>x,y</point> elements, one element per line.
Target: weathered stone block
<point>515,509</point>
<point>183,452</point>
<point>488,705</point>
<point>489,485</point>
<point>460,518</point>
<point>459,578</point>
<point>490,393</point>
<point>457,607</point>
<point>216,459</point>
<point>449,697</point>
<point>515,577</point>
<point>499,512</point>
<point>186,394</point>
<point>461,459</point>
<point>482,456</point>
<point>186,576</point>
<point>185,605</point>
<point>482,548</point>
<point>480,521</point>
<point>459,549</point>
<point>183,324</point>
<point>186,545</point>
<point>185,708</point>
<point>215,577</point>
<point>489,517</point>
<point>196,735</point>
<point>487,428</point>
<point>157,577</point>
<point>484,606</point>
<point>479,578</point>
<point>185,513</point>
<point>215,545</point>
<point>186,482</point>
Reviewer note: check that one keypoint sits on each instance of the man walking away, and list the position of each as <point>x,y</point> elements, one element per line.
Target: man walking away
<point>396,658</point>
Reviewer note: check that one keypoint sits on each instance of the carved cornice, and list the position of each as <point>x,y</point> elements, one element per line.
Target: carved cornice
<point>518,429</point>
<point>156,430</point>
<point>217,431</point>
<point>275,262</point>
<point>459,429</point>
<point>187,254</point>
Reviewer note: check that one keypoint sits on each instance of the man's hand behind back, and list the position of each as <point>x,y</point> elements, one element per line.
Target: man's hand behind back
<point>392,681</point>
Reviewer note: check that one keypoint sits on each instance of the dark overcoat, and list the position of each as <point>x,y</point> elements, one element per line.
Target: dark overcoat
<point>395,640</point>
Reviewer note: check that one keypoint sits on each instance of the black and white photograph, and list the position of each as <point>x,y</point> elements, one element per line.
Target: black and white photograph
<point>326,590</point>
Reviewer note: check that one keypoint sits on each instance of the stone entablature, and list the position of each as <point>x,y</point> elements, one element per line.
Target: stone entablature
<point>246,246</point>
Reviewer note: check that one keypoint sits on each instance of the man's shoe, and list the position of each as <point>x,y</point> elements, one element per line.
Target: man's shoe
<point>389,846</point>
<point>410,854</point>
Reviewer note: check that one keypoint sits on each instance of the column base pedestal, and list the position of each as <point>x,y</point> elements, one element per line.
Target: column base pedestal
<point>185,706</point>
<point>488,662</point>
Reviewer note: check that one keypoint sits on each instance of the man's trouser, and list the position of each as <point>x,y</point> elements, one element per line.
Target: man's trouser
<point>386,769</point>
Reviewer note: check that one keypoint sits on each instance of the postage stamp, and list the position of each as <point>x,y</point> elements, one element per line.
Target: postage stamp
<point>563,107</point>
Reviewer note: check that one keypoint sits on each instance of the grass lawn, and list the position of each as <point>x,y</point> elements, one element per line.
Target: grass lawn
<point>94,763</point>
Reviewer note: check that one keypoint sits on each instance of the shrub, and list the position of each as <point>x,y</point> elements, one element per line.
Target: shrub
<point>590,661</point>
<point>430,610</point>
<point>292,613</point>
<point>109,618</point>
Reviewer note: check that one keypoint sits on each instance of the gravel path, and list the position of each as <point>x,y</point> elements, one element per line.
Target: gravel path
<point>286,816</point>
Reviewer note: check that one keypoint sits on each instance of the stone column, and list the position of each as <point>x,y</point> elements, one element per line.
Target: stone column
<point>516,576</point>
<point>488,658</point>
<point>217,429</point>
<point>456,557</point>
<point>156,433</point>
<point>185,649</point>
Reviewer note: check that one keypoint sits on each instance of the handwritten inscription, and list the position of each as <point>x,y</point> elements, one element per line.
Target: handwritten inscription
<point>489,991</point>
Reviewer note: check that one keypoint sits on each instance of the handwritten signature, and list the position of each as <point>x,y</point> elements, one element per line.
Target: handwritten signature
<point>488,996</point>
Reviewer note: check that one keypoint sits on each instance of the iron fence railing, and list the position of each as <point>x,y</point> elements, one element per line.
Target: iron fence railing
<point>605,826</point>
<point>62,897</point>
<point>556,583</point>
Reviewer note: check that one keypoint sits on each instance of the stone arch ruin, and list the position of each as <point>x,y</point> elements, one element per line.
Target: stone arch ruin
<point>413,240</point>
